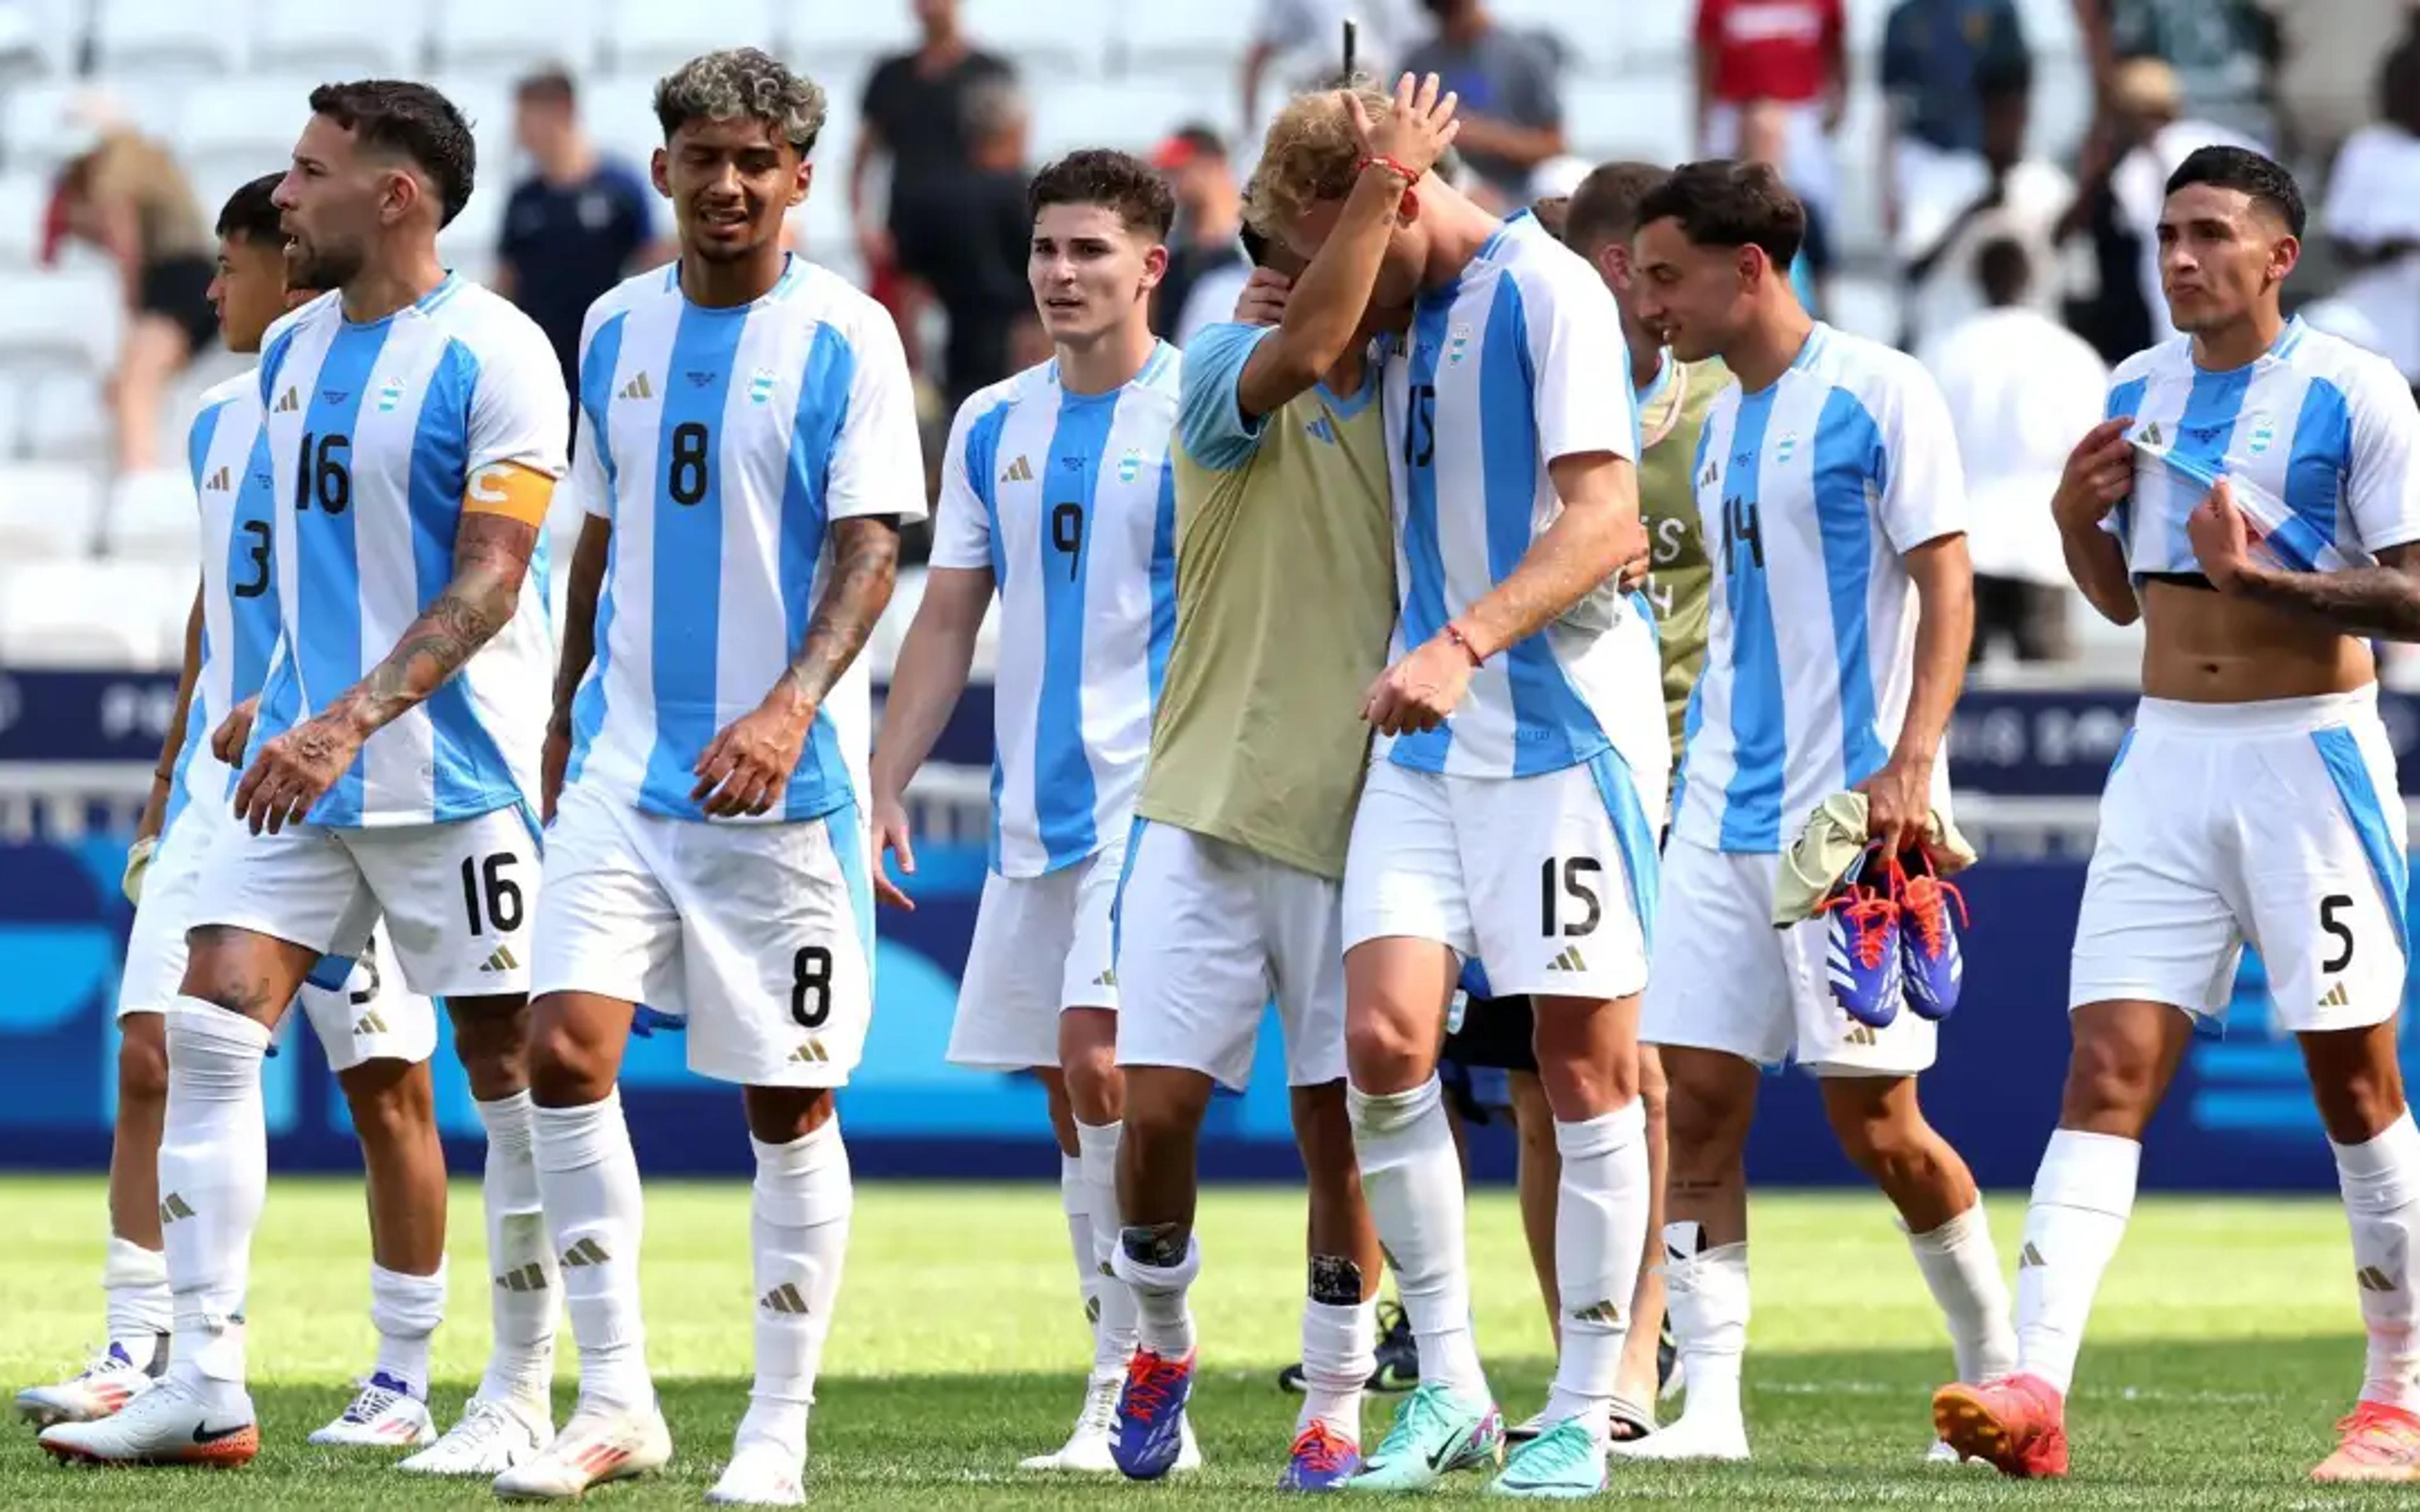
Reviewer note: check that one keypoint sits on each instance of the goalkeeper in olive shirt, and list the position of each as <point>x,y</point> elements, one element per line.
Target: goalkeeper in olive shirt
<point>1597,223</point>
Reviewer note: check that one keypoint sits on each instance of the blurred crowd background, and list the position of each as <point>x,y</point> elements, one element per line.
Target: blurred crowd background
<point>1983,175</point>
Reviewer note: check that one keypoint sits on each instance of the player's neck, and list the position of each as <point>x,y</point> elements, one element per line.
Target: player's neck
<point>379,289</point>
<point>1107,363</point>
<point>1769,345</point>
<point>571,162</point>
<point>1647,357</point>
<point>2239,343</point>
<point>728,285</point>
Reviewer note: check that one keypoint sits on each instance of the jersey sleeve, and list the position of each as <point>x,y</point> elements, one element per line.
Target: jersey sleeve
<point>589,483</point>
<point>1924,483</point>
<point>520,413</point>
<point>2383,476</point>
<point>1210,418</point>
<point>1580,361</point>
<point>877,460</point>
<point>961,522</point>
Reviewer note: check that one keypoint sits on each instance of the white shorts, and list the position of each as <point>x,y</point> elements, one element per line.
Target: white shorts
<point>155,947</point>
<point>761,936</point>
<point>1541,877</point>
<point>369,1014</point>
<point>2278,823</point>
<point>1725,979</point>
<point>1209,935</point>
<point>1041,944</point>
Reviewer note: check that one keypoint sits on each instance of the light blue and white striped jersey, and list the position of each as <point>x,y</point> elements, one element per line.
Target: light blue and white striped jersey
<point>235,488</point>
<point>2319,438</point>
<point>376,432</point>
<point>721,443</point>
<point>1518,361</point>
<point>1069,499</point>
<point>1814,489</point>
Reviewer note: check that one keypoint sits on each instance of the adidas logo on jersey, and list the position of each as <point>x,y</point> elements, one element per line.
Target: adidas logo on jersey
<point>503,960</point>
<point>1860,1034</point>
<point>586,1251</point>
<point>638,388</point>
<point>2151,434</point>
<point>784,1298</point>
<point>370,1024</point>
<point>1321,431</point>
<point>529,1277</point>
<point>218,481</point>
<point>287,403</point>
<point>1569,960</point>
<point>174,1207</point>
<point>1019,470</point>
<point>2336,998</point>
<point>1106,979</point>
<point>810,1054</point>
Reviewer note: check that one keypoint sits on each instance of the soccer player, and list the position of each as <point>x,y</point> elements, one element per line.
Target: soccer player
<point>2255,799</point>
<point>1056,493</point>
<point>375,1035</point>
<point>1285,596</point>
<point>1828,473</point>
<point>414,428</point>
<point>747,453</point>
<point>1509,818</point>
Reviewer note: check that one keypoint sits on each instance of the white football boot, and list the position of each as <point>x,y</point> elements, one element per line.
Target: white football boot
<point>598,1444</point>
<point>385,1415</point>
<point>108,1382</point>
<point>174,1423</point>
<point>492,1436</point>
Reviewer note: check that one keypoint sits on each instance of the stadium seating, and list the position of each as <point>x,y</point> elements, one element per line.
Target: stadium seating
<point>65,418</point>
<point>504,39</point>
<point>65,316</point>
<point>48,512</point>
<point>651,37</point>
<point>340,41</point>
<point>170,38</point>
<point>47,619</point>
<point>1200,45</point>
<point>151,518</point>
<point>837,41</point>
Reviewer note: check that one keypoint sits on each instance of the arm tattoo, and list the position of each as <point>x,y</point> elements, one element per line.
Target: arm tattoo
<point>491,556</point>
<point>865,565</point>
<point>2382,601</point>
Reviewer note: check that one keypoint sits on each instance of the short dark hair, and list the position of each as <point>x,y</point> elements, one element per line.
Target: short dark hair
<point>252,215</point>
<point>1119,181</point>
<point>552,85</point>
<point>2267,182</point>
<point>405,116</point>
<point>1726,204</point>
<point>1554,213</point>
<point>1605,206</point>
<point>2003,270</point>
<point>1203,141</point>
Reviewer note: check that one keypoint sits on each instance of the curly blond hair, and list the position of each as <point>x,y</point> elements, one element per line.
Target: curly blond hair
<point>1311,153</point>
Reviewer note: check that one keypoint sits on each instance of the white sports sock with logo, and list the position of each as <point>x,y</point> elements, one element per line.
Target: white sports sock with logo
<point>1706,1295</point>
<point>526,1289</point>
<point>1339,1349</point>
<point>2084,1192</point>
<point>588,1177</point>
<point>141,1307</point>
<point>1412,1179</point>
<point>1159,1293</point>
<point>1599,1239</point>
<point>406,1310</point>
<point>1114,1330</point>
<point>213,1177</point>
<point>1075,1202</point>
<point>799,1221</point>
<point>1963,1271</point>
<point>2381,1181</point>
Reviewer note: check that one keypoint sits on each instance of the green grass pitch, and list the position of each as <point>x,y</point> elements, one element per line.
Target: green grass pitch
<point>2225,1344</point>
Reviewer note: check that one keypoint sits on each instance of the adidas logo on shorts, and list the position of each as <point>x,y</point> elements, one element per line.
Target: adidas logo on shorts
<point>2336,998</point>
<point>1106,979</point>
<point>1569,960</point>
<point>370,1024</point>
<point>810,1054</point>
<point>503,960</point>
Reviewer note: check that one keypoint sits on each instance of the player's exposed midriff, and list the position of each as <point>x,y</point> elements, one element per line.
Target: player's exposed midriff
<point>2204,647</point>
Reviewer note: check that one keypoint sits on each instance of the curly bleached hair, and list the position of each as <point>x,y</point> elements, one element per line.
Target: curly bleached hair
<point>742,82</point>
<point>1311,153</point>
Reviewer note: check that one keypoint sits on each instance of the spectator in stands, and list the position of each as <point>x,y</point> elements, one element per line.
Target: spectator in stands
<point>1304,39</point>
<point>1764,137</point>
<point>1206,267</point>
<point>126,197</point>
<point>1792,52</point>
<point>1936,53</point>
<point>977,274</point>
<point>1512,111</point>
<point>2020,388</point>
<point>913,116</point>
<point>2224,55</point>
<point>1974,197</point>
<point>576,226</point>
<point>2372,220</point>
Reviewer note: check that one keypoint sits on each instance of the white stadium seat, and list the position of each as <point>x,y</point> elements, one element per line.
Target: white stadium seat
<point>69,318</point>
<point>836,42</point>
<point>1645,117</point>
<point>654,37</point>
<point>385,39</point>
<point>47,614</point>
<point>504,39</point>
<point>1590,42</point>
<point>152,517</point>
<point>1050,43</point>
<point>67,417</point>
<point>169,39</point>
<point>1132,117</point>
<point>23,198</point>
<point>48,512</point>
<point>1198,44</point>
<point>40,39</point>
<point>252,118</point>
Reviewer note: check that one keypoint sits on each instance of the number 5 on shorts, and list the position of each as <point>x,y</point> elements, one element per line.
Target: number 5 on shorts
<point>2331,908</point>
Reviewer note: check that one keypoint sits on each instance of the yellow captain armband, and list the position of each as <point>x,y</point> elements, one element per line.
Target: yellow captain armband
<point>509,490</point>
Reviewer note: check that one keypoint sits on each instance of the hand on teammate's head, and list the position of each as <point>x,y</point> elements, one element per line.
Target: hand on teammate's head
<point>1416,127</point>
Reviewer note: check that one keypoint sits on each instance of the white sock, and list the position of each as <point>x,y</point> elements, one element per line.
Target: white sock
<point>140,1306</point>
<point>1339,1349</point>
<point>1963,1271</point>
<point>589,1178</point>
<point>527,1290</point>
<point>800,1223</point>
<point>1115,1327</point>
<point>1160,1292</point>
<point>1706,1296</point>
<point>1600,1240</point>
<point>2083,1194</point>
<point>406,1310</point>
<point>1076,1203</point>
<point>213,1176</point>
<point>1413,1182</point>
<point>2380,1180</point>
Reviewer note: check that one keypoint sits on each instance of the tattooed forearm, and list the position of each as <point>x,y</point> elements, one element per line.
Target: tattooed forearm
<point>491,557</point>
<point>2382,601</point>
<point>865,552</point>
